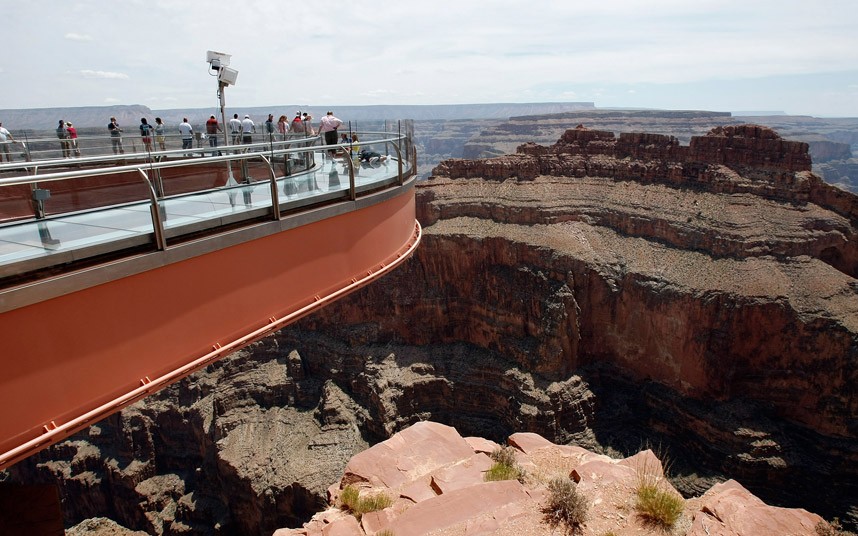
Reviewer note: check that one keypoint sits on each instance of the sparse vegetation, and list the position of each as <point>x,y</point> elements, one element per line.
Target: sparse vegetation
<point>351,500</point>
<point>832,529</point>
<point>654,503</point>
<point>566,507</point>
<point>385,532</point>
<point>505,466</point>
<point>658,505</point>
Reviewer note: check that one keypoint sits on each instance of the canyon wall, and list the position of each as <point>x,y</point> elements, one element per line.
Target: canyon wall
<point>609,291</point>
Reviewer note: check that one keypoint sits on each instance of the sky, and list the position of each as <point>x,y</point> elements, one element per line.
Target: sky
<point>798,57</point>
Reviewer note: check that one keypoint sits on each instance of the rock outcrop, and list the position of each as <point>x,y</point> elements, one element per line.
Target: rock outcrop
<point>435,480</point>
<point>611,291</point>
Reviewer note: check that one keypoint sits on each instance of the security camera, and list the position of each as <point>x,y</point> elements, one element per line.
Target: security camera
<point>219,57</point>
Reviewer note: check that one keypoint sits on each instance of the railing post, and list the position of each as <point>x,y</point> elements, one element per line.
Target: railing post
<point>155,211</point>
<point>352,189</point>
<point>275,200</point>
<point>399,162</point>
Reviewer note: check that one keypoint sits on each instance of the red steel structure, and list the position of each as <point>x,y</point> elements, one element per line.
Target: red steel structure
<point>81,342</point>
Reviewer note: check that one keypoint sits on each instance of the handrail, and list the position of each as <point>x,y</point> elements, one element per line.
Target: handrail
<point>163,234</point>
<point>244,154</point>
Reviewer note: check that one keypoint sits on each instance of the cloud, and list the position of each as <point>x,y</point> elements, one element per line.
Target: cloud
<point>104,74</point>
<point>77,37</point>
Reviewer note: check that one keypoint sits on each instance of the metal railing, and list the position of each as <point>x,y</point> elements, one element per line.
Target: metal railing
<point>146,178</point>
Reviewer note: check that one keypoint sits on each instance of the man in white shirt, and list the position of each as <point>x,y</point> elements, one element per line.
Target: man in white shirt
<point>235,129</point>
<point>187,133</point>
<point>6,139</point>
<point>248,127</point>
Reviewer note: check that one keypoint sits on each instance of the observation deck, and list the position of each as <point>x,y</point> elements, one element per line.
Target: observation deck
<point>122,274</point>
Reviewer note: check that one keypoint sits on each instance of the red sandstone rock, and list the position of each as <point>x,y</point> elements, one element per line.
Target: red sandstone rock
<point>728,509</point>
<point>467,505</point>
<point>406,456</point>
<point>461,475</point>
<point>483,445</point>
<point>459,506</point>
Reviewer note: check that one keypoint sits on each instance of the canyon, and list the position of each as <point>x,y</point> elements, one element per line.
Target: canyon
<point>609,291</point>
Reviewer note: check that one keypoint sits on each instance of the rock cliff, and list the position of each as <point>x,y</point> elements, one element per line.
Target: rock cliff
<point>436,483</point>
<point>611,291</point>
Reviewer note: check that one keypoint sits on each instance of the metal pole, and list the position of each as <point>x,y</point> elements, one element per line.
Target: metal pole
<point>220,91</point>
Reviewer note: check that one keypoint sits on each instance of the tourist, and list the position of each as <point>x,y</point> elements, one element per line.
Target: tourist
<point>187,133</point>
<point>371,157</point>
<point>270,129</point>
<point>328,126</point>
<point>235,129</point>
<point>63,136</point>
<point>307,120</point>
<point>6,140</point>
<point>355,146</point>
<point>160,134</point>
<point>298,124</point>
<point>146,134</point>
<point>282,126</point>
<point>115,136</point>
<point>73,146</point>
<point>248,127</point>
<point>212,129</point>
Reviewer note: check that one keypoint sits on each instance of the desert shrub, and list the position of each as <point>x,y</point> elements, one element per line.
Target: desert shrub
<point>504,455</point>
<point>505,466</point>
<point>351,500</point>
<point>832,529</point>
<point>659,505</point>
<point>566,507</point>
<point>385,532</point>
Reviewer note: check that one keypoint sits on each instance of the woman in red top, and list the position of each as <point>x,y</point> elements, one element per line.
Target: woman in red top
<point>73,137</point>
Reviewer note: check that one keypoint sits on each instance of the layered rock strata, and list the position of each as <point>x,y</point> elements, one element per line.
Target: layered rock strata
<point>610,291</point>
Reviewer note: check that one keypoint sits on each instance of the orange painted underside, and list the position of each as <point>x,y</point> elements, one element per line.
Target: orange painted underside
<point>71,360</point>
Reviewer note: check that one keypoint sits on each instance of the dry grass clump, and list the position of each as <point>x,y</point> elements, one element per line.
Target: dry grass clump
<point>660,506</point>
<point>505,466</point>
<point>351,500</point>
<point>566,507</point>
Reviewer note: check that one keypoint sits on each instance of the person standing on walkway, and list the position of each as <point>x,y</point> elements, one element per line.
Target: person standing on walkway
<point>63,136</point>
<point>159,134</point>
<point>146,134</point>
<point>270,129</point>
<point>298,124</point>
<point>115,136</point>
<point>328,127</point>
<point>6,140</point>
<point>248,127</point>
<point>212,129</point>
<point>307,120</point>
<point>235,129</point>
<point>73,146</point>
<point>282,126</point>
<point>187,133</point>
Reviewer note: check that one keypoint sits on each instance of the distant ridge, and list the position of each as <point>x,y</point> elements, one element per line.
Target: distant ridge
<point>96,116</point>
